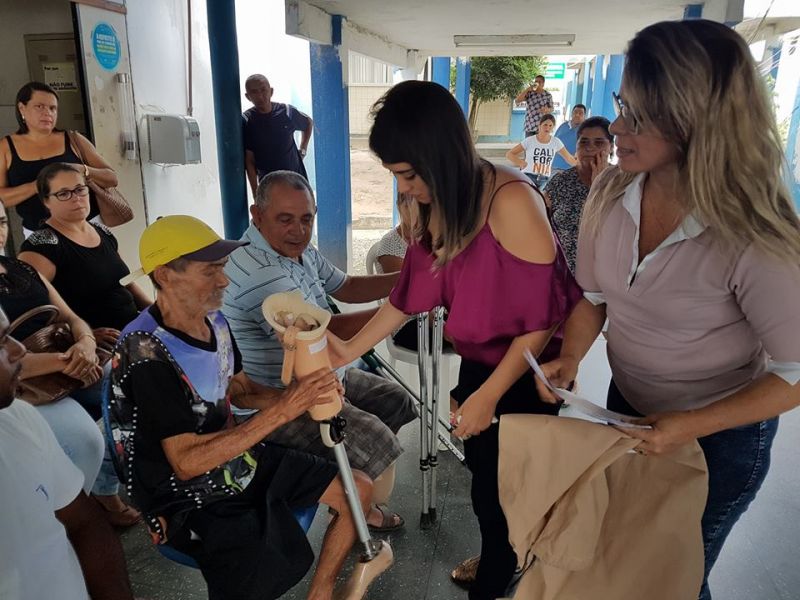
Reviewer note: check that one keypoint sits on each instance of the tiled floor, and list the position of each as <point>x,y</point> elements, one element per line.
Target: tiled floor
<point>760,561</point>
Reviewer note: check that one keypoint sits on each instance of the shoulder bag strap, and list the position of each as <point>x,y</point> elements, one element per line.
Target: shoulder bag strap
<point>29,314</point>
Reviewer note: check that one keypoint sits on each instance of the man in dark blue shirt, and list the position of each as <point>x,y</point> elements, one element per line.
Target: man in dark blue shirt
<point>268,130</point>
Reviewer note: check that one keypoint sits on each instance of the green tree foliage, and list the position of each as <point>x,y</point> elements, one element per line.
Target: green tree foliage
<point>500,77</point>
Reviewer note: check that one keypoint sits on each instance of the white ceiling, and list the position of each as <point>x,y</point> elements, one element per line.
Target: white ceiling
<point>600,26</point>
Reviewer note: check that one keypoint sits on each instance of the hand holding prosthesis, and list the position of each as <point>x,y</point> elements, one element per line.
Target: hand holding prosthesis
<point>301,328</point>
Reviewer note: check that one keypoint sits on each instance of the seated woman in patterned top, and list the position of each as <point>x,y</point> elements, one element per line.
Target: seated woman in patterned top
<point>566,191</point>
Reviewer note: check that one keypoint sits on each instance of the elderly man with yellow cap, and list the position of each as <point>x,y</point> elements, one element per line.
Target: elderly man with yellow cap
<point>207,488</point>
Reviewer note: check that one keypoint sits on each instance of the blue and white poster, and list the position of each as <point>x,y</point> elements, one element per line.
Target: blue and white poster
<point>106,46</point>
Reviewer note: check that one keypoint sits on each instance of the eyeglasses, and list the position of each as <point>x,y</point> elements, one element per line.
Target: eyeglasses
<point>623,111</point>
<point>63,195</point>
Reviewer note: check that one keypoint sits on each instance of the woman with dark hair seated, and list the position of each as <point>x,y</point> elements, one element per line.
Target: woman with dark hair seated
<point>38,143</point>
<point>484,251</point>
<point>566,191</point>
<point>81,260</point>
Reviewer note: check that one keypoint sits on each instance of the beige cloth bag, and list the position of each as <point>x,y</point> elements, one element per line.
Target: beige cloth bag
<point>589,519</point>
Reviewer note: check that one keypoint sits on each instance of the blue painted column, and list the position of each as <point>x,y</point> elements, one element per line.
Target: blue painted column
<point>440,71</point>
<point>693,11</point>
<point>613,81</point>
<point>228,114</point>
<point>332,148</point>
<point>588,85</point>
<point>793,151</point>
<point>463,70</point>
<point>599,86</point>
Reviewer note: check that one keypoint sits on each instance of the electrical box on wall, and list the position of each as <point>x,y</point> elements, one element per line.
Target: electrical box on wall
<point>174,139</point>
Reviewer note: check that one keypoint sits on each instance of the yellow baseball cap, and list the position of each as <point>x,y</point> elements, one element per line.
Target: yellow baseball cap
<point>179,236</point>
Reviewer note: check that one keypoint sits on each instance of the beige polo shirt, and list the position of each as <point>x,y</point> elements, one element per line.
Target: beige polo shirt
<point>690,323</point>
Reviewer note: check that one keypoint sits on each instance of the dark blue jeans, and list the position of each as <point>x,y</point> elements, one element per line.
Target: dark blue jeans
<point>738,460</point>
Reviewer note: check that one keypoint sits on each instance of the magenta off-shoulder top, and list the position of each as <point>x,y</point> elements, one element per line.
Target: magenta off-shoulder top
<point>491,296</point>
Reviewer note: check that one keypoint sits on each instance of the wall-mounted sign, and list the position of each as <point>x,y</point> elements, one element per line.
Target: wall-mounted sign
<point>106,46</point>
<point>60,76</point>
<point>555,70</point>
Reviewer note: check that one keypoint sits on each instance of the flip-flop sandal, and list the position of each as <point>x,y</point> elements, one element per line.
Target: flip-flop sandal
<point>464,574</point>
<point>390,521</point>
<point>127,517</point>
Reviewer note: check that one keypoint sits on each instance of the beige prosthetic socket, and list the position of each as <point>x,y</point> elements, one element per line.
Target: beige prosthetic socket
<point>383,485</point>
<point>304,343</point>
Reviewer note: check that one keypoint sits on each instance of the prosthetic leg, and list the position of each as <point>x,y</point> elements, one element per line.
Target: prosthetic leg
<point>302,329</point>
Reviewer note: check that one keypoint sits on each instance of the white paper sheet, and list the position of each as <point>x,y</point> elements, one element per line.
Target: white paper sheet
<point>583,406</point>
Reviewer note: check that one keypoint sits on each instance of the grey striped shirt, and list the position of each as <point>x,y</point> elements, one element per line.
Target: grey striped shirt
<point>257,271</point>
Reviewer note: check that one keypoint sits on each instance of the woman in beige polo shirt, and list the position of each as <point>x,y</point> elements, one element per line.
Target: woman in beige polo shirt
<point>691,248</point>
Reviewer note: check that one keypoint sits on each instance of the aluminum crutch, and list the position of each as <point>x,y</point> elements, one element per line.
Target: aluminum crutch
<point>433,447</point>
<point>424,467</point>
<point>377,555</point>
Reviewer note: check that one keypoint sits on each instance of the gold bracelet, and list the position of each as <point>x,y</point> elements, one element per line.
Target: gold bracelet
<point>89,335</point>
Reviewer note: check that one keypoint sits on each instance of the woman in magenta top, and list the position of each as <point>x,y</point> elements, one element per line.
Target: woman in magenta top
<point>486,252</point>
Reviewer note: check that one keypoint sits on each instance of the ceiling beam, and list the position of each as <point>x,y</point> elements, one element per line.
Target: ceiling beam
<point>311,23</point>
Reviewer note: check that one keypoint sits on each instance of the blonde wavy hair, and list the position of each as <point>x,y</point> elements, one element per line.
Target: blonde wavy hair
<point>696,83</point>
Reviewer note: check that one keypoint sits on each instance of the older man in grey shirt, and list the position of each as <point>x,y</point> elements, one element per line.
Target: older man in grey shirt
<point>280,258</point>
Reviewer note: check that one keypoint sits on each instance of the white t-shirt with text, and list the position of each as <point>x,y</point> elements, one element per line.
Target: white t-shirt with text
<point>539,156</point>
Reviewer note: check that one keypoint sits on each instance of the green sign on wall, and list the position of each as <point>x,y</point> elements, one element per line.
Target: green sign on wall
<point>555,70</point>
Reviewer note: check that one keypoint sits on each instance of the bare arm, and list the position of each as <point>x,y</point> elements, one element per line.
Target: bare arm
<point>386,320</point>
<point>140,298</point>
<point>44,265</point>
<point>765,398</point>
<point>514,157</point>
<point>580,331</point>
<point>191,454</point>
<point>81,357</point>
<point>98,549</point>
<point>12,195</point>
<point>568,157</point>
<point>521,96</point>
<point>250,169</point>
<point>366,288</point>
<point>346,325</point>
<point>99,170</point>
<point>390,263</point>
<point>519,221</point>
<point>306,137</point>
<point>477,412</point>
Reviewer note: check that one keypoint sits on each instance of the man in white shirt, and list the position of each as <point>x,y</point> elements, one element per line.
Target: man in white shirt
<point>54,542</point>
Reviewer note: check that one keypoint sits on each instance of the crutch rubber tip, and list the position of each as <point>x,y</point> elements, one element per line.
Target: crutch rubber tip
<point>425,521</point>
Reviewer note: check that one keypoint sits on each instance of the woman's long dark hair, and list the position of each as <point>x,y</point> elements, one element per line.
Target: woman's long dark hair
<point>24,96</point>
<point>420,123</point>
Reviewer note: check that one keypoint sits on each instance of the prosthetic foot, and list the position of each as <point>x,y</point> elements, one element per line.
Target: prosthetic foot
<point>301,327</point>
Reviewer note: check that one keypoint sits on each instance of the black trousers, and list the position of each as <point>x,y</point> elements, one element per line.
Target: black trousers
<point>498,560</point>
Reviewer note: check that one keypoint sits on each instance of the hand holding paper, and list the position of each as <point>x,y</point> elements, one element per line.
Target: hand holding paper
<point>582,405</point>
